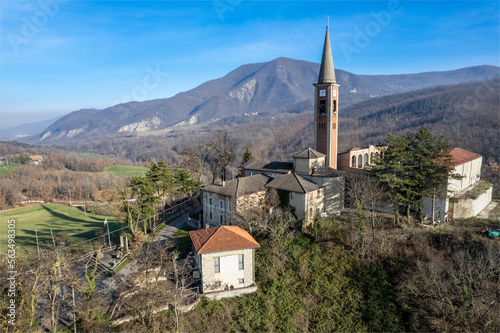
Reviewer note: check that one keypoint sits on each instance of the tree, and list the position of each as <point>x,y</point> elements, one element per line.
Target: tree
<point>247,156</point>
<point>144,191</point>
<point>220,155</point>
<point>184,183</point>
<point>413,165</point>
<point>367,190</point>
<point>394,170</point>
<point>196,158</point>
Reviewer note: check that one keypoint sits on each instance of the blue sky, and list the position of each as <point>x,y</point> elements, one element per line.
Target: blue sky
<point>61,56</point>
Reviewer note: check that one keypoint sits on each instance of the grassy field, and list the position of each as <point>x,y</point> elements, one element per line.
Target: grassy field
<point>126,170</point>
<point>5,169</point>
<point>182,239</point>
<point>63,220</point>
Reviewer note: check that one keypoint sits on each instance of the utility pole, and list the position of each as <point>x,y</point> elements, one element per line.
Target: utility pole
<point>53,241</point>
<point>74,308</point>
<point>37,247</point>
<point>69,197</point>
<point>109,237</point>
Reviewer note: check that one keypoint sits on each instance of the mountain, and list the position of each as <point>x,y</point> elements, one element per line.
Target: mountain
<point>261,88</point>
<point>24,130</point>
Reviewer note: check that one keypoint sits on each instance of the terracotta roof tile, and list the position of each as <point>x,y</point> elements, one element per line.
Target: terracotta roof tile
<point>461,156</point>
<point>223,238</point>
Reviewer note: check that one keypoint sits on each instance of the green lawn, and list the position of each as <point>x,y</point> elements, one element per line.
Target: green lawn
<point>5,169</point>
<point>182,239</point>
<point>63,220</point>
<point>126,170</point>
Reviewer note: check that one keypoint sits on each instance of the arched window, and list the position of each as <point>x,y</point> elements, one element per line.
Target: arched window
<point>366,162</point>
<point>360,161</point>
<point>371,158</point>
<point>353,163</point>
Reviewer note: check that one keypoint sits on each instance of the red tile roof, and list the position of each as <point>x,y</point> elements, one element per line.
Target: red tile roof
<point>461,156</point>
<point>223,238</point>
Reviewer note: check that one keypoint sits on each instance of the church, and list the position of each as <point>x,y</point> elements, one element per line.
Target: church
<point>312,184</point>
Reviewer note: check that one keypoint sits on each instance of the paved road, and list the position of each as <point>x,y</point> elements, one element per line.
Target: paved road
<point>164,235</point>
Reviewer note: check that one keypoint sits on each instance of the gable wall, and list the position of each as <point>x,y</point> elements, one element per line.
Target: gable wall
<point>229,273</point>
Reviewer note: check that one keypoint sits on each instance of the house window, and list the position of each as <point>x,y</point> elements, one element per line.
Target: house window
<point>241,281</point>
<point>241,262</point>
<point>229,206</point>
<point>221,219</point>
<point>360,161</point>
<point>291,195</point>
<point>317,194</point>
<point>210,201</point>
<point>334,106</point>
<point>211,217</point>
<point>217,264</point>
<point>353,163</point>
<point>221,203</point>
<point>366,159</point>
<point>371,158</point>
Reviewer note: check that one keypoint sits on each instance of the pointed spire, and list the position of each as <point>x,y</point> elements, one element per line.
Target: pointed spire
<point>326,70</point>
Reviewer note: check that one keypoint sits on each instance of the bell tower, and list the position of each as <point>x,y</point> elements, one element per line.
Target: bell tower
<point>326,96</point>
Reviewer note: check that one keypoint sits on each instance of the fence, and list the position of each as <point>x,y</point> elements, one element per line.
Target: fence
<point>91,246</point>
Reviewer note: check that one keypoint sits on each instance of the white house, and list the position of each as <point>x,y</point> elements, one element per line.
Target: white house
<point>225,258</point>
<point>469,195</point>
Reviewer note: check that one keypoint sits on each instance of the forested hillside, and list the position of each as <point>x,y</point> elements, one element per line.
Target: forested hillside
<point>466,114</point>
<point>339,277</point>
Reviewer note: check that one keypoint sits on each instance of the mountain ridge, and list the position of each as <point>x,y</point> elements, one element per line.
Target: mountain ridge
<point>252,88</point>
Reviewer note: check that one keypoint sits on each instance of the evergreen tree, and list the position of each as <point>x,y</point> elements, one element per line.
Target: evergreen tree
<point>184,183</point>
<point>247,155</point>
<point>414,165</point>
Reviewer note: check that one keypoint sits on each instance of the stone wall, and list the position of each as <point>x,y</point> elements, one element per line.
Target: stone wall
<point>250,202</point>
<point>230,293</point>
<point>219,205</point>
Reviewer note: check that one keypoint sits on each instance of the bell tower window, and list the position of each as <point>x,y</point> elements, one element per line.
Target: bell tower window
<point>322,107</point>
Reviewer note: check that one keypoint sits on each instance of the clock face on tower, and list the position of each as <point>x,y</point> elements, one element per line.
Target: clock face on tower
<point>322,93</point>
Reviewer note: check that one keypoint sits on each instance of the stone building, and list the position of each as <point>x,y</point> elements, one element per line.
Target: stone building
<point>225,259</point>
<point>222,205</point>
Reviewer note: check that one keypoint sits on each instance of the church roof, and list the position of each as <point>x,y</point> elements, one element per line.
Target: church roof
<point>274,166</point>
<point>461,156</point>
<point>326,171</point>
<point>293,183</point>
<point>222,238</point>
<point>241,186</point>
<point>309,154</point>
<point>326,70</point>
